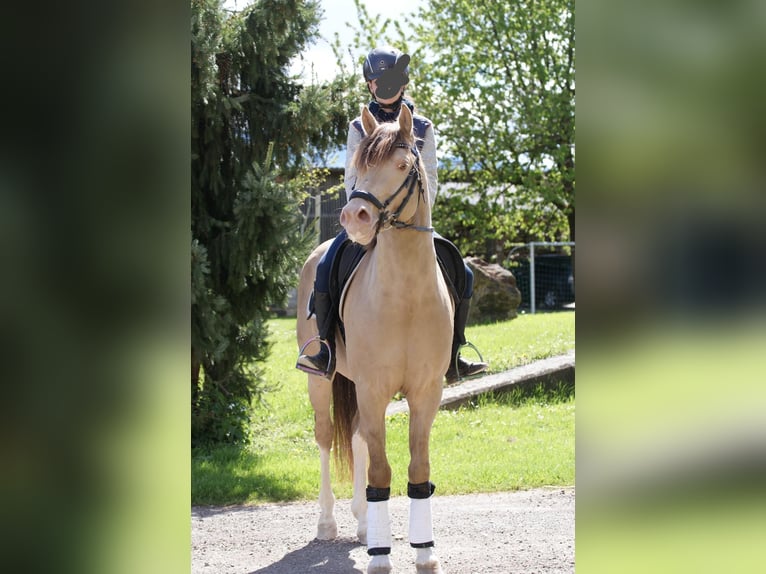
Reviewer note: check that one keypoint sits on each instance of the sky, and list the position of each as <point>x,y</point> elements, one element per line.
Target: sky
<point>336,14</point>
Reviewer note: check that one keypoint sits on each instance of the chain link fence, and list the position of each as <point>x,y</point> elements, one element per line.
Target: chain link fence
<point>544,273</point>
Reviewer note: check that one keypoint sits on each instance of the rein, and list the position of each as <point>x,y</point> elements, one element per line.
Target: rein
<point>388,219</point>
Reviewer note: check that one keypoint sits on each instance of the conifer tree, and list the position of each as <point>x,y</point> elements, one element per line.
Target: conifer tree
<point>251,124</point>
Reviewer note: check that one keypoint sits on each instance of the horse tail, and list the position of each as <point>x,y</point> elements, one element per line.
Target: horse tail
<point>345,409</point>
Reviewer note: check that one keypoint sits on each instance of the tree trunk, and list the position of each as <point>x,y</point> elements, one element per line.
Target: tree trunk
<point>195,368</point>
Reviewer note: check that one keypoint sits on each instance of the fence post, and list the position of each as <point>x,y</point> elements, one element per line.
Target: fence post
<point>318,215</point>
<point>532,277</point>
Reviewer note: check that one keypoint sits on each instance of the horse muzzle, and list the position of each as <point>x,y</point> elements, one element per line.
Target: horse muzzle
<point>360,220</point>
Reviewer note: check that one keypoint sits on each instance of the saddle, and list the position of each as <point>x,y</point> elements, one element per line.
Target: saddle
<point>350,254</point>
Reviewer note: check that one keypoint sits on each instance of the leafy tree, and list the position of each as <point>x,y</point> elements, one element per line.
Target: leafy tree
<point>251,125</point>
<point>497,79</point>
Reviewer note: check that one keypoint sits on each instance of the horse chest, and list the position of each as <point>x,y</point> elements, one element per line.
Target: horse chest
<point>396,325</point>
<point>398,294</point>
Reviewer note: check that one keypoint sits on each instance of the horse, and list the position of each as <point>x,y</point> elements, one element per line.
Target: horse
<point>398,319</point>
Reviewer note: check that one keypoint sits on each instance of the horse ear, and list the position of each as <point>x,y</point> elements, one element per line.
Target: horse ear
<point>368,121</point>
<point>405,120</point>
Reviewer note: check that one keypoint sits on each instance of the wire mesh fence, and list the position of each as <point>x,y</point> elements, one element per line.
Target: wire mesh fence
<point>544,273</point>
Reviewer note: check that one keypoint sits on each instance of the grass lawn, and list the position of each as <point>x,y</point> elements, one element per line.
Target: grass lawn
<point>497,443</point>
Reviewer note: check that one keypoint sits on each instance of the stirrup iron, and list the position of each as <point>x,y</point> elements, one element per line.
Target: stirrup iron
<point>311,370</point>
<point>467,344</point>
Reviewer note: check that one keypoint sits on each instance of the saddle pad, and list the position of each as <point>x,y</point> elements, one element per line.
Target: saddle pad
<point>346,283</point>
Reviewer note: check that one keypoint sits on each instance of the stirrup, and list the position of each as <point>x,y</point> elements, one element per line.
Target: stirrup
<point>312,370</point>
<point>455,361</point>
<point>481,359</point>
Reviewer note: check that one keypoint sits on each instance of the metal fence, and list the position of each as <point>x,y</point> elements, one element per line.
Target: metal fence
<point>322,211</point>
<point>544,273</point>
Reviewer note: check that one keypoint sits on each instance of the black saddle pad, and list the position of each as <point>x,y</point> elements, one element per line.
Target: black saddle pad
<point>346,259</point>
<point>452,266</point>
<point>348,256</point>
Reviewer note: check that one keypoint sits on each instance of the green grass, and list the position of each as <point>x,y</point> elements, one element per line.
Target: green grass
<point>497,443</point>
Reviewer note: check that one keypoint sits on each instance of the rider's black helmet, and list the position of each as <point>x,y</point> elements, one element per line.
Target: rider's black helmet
<point>380,60</point>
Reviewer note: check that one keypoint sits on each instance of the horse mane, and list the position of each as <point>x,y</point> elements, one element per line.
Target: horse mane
<point>378,146</point>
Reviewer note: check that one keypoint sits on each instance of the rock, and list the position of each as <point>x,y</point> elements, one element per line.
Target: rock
<point>495,295</point>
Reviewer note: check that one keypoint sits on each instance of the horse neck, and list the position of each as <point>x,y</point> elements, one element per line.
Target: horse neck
<point>408,248</point>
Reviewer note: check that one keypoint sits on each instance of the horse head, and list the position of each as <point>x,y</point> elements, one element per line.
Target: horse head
<point>389,176</point>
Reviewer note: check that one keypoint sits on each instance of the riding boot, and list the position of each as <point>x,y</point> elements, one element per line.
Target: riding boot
<point>323,362</point>
<point>459,367</point>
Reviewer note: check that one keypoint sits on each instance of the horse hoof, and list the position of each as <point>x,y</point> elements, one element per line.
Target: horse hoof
<point>327,530</point>
<point>379,565</point>
<point>426,562</point>
<point>361,533</point>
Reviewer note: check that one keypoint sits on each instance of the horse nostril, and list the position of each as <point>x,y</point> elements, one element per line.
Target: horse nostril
<point>364,216</point>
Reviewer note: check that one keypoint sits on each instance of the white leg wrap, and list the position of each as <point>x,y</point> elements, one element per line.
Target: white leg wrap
<point>421,524</point>
<point>378,525</point>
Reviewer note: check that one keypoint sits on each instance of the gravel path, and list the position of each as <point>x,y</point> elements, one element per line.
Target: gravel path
<point>504,533</point>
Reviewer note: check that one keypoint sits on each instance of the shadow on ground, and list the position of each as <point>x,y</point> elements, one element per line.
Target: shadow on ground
<point>325,556</point>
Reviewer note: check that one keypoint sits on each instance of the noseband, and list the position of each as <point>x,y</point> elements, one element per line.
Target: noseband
<point>391,219</point>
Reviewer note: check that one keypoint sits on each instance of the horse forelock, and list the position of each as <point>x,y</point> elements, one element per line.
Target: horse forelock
<point>378,146</point>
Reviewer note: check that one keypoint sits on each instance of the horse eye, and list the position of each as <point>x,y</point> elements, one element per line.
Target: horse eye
<point>403,165</point>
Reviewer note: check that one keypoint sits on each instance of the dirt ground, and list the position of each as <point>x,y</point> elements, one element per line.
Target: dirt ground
<point>529,531</point>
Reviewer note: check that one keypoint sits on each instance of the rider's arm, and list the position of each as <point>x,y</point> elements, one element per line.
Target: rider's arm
<point>428,153</point>
<point>354,137</point>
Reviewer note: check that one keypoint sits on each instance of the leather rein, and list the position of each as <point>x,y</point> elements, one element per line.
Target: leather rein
<point>388,219</point>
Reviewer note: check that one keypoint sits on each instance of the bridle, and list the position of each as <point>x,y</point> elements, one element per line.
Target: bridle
<point>388,219</point>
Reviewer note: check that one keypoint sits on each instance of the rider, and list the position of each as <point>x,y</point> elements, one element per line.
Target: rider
<point>388,97</point>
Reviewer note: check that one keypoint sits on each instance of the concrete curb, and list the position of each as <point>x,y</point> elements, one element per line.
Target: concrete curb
<point>549,371</point>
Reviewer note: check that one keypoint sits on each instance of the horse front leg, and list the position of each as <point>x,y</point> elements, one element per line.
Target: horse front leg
<point>359,500</point>
<point>373,429</point>
<point>320,394</point>
<point>423,409</point>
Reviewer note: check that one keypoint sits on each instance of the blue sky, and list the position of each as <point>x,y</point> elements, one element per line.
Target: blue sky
<point>336,14</point>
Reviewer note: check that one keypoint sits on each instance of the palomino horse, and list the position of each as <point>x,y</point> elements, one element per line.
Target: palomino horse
<point>398,324</point>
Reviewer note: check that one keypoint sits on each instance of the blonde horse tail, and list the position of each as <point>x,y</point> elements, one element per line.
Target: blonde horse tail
<point>344,408</point>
